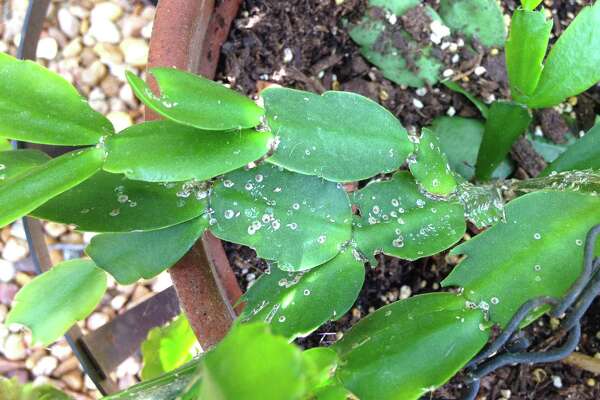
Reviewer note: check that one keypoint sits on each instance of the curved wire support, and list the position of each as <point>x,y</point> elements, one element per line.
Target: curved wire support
<point>510,347</point>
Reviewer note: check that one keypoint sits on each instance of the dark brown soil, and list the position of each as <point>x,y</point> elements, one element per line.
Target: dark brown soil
<point>323,57</point>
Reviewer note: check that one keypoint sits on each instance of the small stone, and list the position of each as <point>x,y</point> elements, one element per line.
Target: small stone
<point>72,238</point>
<point>68,23</point>
<point>451,112</point>
<point>14,347</point>
<point>3,312</point>
<point>87,237</point>
<point>505,393</point>
<point>161,282</point>
<point>96,320</point>
<point>405,292</point>
<point>118,302</point>
<point>17,230</point>
<point>126,94</point>
<point>136,51</point>
<point>110,86</point>
<point>72,49</point>
<point>480,70</point>
<point>417,103</point>
<point>47,48</point>
<point>7,271</point>
<point>116,104</point>
<point>421,91</point>
<point>591,382</point>
<point>557,381</point>
<point>55,229</point>
<point>106,11</point>
<point>7,292</point>
<point>61,350</point>
<point>120,120</point>
<point>105,31</point>
<point>108,53</point>
<point>15,250</point>
<point>33,359</point>
<point>73,380</point>
<point>147,30</point>
<point>288,55</point>
<point>45,366</point>
<point>448,73</point>
<point>133,25</point>
<point>66,366</point>
<point>94,73</point>
<point>438,31</point>
<point>22,279</point>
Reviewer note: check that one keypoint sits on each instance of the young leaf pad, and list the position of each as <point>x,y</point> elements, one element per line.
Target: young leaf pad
<point>339,136</point>
<point>298,220</point>
<point>396,219</point>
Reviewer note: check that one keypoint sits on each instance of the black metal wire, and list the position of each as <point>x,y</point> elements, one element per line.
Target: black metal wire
<point>571,307</point>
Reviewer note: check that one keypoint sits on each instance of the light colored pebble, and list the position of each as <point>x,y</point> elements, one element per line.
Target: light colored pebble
<point>557,381</point>
<point>96,320</point>
<point>7,271</point>
<point>135,51</point>
<point>120,120</point>
<point>93,74</point>
<point>108,53</point>
<point>15,250</point>
<point>55,229</point>
<point>14,347</point>
<point>72,49</point>
<point>106,11</point>
<point>479,70</point>
<point>405,292</point>
<point>118,302</point>
<point>47,48</point>
<point>105,31</point>
<point>45,366</point>
<point>68,23</point>
<point>73,380</point>
<point>417,103</point>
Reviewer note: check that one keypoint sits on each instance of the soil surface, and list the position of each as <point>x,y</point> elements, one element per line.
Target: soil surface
<point>304,44</point>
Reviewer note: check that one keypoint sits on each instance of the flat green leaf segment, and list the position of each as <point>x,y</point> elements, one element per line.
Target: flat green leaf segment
<point>584,154</point>
<point>131,256</point>
<point>537,252</point>
<point>572,65</point>
<point>480,19</point>
<point>430,167</point>
<point>338,136</point>
<point>168,348</point>
<point>14,162</point>
<point>283,377</point>
<point>52,302</point>
<point>398,220</point>
<point>39,106</point>
<point>196,101</point>
<point>296,303</point>
<point>298,220</point>
<point>483,204</point>
<point>11,389</point>
<point>26,191</point>
<point>410,347</point>
<point>163,151</point>
<point>506,122</point>
<point>5,145</point>
<point>530,4</point>
<point>112,203</point>
<point>525,51</point>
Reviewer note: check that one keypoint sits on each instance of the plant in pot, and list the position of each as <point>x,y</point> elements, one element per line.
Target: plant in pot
<point>273,177</point>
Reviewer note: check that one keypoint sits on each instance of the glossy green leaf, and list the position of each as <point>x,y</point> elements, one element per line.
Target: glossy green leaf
<point>398,220</point>
<point>300,221</point>
<point>112,203</point>
<point>525,50</point>
<point>483,204</point>
<point>14,162</point>
<point>196,101</point>
<point>167,348</point>
<point>546,148</point>
<point>537,252</point>
<point>410,63</point>
<point>52,302</point>
<point>5,145</point>
<point>481,106</point>
<point>131,256</point>
<point>321,363</point>
<point>163,151</point>
<point>25,192</point>
<point>335,391</point>
<point>339,136</point>
<point>530,4</point>
<point>410,347</point>
<point>233,371</point>
<point>39,106</point>
<point>11,389</point>
<point>430,167</point>
<point>584,154</point>
<point>572,65</point>
<point>506,122</point>
<point>479,19</point>
<point>296,303</point>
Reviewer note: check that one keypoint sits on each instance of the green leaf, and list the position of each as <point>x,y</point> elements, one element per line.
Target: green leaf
<point>11,389</point>
<point>537,252</point>
<point>479,19</point>
<point>196,101</point>
<point>506,122</point>
<point>298,220</point>
<point>5,145</point>
<point>410,347</point>
<point>163,151</point>
<point>409,64</point>
<point>460,139</point>
<point>131,256</point>
<point>25,192</point>
<point>483,204</point>
<point>227,375</point>
<point>14,162</point>
<point>112,203</point>
<point>321,363</point>
<point>398,220</point>
<point>572,65</point>
<point>481,106</point>
<point>339,136</point>
<point>167,348</point>
<point>296,303</point>
<point>429,165</point>
<point>53,301</point>
<point>39,106</point>
<point>584,154</point>
<point>530,5</point>
<point>525,50</point>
